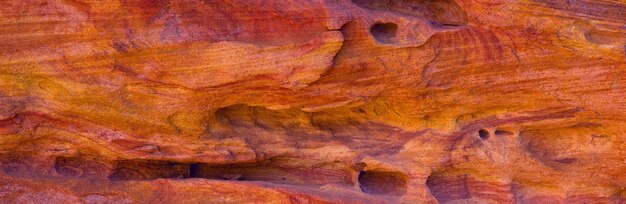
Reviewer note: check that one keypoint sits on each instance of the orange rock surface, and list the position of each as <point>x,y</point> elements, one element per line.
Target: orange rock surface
<point>312,101</point>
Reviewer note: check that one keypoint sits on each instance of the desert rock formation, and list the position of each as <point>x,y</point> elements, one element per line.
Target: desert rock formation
<point>312,101</point>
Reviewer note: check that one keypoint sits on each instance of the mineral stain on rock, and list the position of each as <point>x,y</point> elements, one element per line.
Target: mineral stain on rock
<point>312,101</point>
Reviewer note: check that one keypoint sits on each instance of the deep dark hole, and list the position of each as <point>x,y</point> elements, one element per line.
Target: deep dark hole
<point>193,170</point>
<point>383,183</point>
<point>483,134</point>
<point>384,32</point>
<point>276,171</point>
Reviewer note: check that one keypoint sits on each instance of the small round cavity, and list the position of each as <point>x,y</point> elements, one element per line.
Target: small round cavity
<point>483,134</point>
<point>384,32</point>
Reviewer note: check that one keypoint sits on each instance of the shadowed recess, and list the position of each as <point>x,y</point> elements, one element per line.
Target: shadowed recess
<point>383,183</point>
<point>384,32</point>
<point>439,13</point>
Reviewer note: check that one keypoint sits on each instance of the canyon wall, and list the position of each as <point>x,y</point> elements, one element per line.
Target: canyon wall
<point>312,101</point>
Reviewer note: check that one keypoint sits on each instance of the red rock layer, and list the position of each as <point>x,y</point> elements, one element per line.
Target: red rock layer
<point>312,101</point>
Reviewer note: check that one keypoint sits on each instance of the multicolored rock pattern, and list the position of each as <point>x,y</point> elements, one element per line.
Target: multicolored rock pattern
<point>312,101</point>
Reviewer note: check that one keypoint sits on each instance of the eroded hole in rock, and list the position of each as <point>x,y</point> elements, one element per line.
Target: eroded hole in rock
<point>280,172</point>
<point>556,147</point>
<point>383,182</point>
<point>276,170</point>
<point>144,170</point>
<point>439,13</point>
<point>448,188</point>
<point>483,134</point>
<point>384,32</point>
<point>501,132</point>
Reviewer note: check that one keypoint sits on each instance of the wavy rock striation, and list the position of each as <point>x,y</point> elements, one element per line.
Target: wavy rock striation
<point>312,101</point>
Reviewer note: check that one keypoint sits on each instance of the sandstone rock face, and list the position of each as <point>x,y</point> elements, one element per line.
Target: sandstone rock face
<point>312,101</point>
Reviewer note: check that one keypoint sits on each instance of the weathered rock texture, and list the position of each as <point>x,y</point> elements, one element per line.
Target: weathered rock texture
<point>313,101</point>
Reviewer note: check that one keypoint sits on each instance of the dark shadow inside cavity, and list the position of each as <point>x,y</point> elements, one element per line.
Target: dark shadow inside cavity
<point>446,188</point>
<point>383,183</point>
<point>281,171</point>
<point>278,172</point>
<point>483,134</point>
<point>384,32</point>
